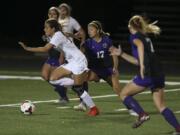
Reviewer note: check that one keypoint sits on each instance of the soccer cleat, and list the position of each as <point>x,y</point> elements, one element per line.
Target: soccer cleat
<point>133,113</point>
<point>62,101</point>
<point>142,118</point>
<point>93,111</point>
<point>80,107</point>
<point>177,131</point>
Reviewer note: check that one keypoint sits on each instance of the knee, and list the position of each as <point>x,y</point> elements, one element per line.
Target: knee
<point>45,76</point>
<point>53,78</point>
<point>123,95</point>
<point>161,107</point>
<point>117,91</point>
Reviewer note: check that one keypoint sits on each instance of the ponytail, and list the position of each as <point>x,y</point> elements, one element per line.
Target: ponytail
<point>140,24</point>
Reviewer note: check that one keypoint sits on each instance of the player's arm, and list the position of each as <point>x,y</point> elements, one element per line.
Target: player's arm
<point>45,48</point>
<point>115,63</point>
<point>72,35</point>
<point>140,48</point>
<point>118,52</point>
<point>61,58</point>
<point>81,34</point>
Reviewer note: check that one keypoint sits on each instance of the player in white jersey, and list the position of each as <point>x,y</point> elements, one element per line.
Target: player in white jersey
<point>70,24</point>
<point>72,29</point>
<point>76,66</point>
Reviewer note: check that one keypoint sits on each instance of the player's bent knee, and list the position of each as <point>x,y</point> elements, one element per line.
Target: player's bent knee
<point>161,107</point>
<point>53,78</point>
<point>45,77</point>
<point>123,95</point>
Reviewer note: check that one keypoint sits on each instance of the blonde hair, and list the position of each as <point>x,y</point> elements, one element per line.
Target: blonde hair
<point>54,9</point>
<point>68,8</point>
<point>141,25</point>
<point>99,28</point>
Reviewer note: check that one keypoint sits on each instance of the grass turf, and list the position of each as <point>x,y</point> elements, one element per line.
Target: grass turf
<point>49,120</point>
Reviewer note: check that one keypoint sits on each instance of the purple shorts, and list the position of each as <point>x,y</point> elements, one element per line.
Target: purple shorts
<point>53,62</point>
<point>151,82</point>
<point>102,72</point>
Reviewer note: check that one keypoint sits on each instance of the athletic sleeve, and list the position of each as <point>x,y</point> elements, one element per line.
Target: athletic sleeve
<point>75,24</point>
<point>57,39</point>
<point>108,41</point>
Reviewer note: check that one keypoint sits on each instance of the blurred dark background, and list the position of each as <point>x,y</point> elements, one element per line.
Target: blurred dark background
<point>24,20</point>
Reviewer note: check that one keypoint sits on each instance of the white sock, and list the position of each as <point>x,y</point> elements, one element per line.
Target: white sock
<point>66,82</point>
<point>87,99</point>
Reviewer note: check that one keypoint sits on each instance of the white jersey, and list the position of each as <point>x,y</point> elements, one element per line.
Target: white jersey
<point>69,24</point>
<point>71,52</point>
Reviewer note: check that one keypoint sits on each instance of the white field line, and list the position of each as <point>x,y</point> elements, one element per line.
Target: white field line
<point>94,97</point>
<point>5,77</point>
<point>64,107</point>
<point>177,112</point>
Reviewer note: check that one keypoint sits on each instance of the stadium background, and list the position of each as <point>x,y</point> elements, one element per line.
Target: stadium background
<point>24,20</point>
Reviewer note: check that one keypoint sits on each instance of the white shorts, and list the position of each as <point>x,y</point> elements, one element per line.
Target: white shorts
<point>76,67</point>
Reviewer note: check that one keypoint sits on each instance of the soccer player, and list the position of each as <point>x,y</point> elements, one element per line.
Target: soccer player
<point>76,66</point>
<point>55,58</point>
<point>70,24</point>
<point>150,72</point>
<point>100,63</point>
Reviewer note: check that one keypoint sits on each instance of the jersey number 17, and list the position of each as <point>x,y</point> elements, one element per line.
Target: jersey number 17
<point>100,54</point>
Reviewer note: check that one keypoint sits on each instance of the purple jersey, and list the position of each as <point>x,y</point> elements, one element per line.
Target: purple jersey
<point>153,67</point>
<point>154,76</point>
<point>97,53</point>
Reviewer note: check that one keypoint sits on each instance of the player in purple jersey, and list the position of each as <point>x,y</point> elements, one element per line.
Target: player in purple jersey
<point>100,63</point>
<point>150,72</point>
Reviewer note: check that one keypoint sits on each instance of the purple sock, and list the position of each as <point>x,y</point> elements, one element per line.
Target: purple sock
<point>133,104</point>
<point>171,119</point>
<point>62,92</point>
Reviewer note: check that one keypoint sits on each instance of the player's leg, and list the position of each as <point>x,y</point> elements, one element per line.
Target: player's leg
<point>78,88</point>
<point>158,97</point>
<point>91,76</point>
<point>127,97</point>
<point>61,90</point>
<point>113,81</point>
<point>46,71</point>
<point>56,78</point>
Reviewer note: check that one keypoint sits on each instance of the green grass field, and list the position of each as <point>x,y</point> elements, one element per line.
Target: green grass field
<point>49,119</point>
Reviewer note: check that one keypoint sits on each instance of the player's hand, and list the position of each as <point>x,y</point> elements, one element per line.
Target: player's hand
<point>23,46</point>
<point>115,70</point>
<point>142,69</point>
<point>115,51</point>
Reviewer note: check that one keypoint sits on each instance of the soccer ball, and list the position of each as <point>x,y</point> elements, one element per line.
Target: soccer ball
<point>27,107</point>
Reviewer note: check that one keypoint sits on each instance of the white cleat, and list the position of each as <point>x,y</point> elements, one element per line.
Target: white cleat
<point>80,107</point>
<point>133,113</point>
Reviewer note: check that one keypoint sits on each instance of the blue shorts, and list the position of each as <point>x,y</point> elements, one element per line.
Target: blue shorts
<point>150,82</point>
<point>53,62</point>
<point>102,72</point>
